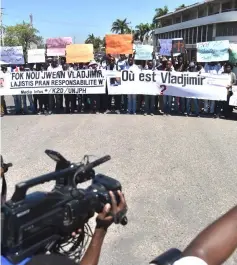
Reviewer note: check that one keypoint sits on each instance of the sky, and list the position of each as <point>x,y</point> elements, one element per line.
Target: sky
<point>79,18</point>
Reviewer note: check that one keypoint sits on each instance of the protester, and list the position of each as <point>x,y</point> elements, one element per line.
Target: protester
<point>167,100</point>
<point>227,109</point>
<point>211,68</point>
<point>149,99</point>
<point>94,98</point>
<point>132,99</point>
<point>192,68</point>
<point>55,67</point>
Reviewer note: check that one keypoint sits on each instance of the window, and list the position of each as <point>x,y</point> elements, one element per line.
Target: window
<point>186,16</point>
<point>178,20</point>
<point>194,36</point>
<point>199,38</point>
<point>175,34</point>
<point>226,6</point>
<point>186,36</point>
<point>183,33</point>
<point>226,29</point>
<point>213,9</point>
<point>204,32</point>
<point>190,34</point>
<point>202,11</point>
<point>209,32</point>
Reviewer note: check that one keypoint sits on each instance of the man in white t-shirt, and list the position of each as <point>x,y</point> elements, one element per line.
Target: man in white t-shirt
<point>213,246</point>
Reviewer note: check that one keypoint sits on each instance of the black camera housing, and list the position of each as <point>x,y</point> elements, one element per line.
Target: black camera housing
<point>42,220</point>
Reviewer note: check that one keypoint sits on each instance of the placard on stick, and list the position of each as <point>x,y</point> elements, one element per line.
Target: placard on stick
<point>79,53</point>
<point>178,46</point>
<point>119,44</point>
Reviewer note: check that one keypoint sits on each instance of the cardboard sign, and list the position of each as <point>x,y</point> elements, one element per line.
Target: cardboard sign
<point>57,46</point>
<point>178,46</point>
<point>119,44</point>
<point>36,56</point>
<point>213,51</point>
<point>79,53</point>
<point>143,52</point>
<point>12,55</point>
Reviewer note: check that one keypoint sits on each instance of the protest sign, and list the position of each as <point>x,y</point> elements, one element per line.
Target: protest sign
<point>186,84</point>
<point>12,55</point>
<point>36,56</point>
<point>143,52</point>
<point>79,53</point>
<point>61,82</point>
<point>213,51</point>
<point>178,46</point>
<point>165,47</point>
<point>57,46</point>
<point>119,44</point>
<point>233,53</point>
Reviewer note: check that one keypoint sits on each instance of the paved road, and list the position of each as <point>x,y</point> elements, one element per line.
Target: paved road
<point>178,173</point>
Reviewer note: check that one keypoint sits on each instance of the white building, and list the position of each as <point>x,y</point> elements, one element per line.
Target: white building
<point>208,21</point>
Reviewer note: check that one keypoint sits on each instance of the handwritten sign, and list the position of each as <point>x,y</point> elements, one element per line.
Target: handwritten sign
<point>119,44</point>
<point>233,53</point>
<point>36,56</point>
<point>213,51</point>
<point>57,46</point>
<point>178,46</point>
<point>12,55</point>
<point>79,53</point>
<point>143,52</point>
<point>165,47</point>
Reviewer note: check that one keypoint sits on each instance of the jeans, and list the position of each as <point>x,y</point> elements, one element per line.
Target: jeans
<point>211,103</point>
<point>167,100</point>
<point>196,105</point>
<point>132,103</point>
<point>149,104</point>
<point>17,103</point>
<point>30,98</point>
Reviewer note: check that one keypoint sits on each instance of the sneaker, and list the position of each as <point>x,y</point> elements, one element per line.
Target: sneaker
<point>145,114</point>
<point>134,113</point>
<point>50,112</point>
<point>117,111</point>
<point>152,114</point>
<point>40,113</point>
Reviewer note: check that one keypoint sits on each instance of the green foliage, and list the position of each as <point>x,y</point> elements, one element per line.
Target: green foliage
<point>121,27</point>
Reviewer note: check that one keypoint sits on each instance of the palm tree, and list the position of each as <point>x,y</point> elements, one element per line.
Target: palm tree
<point>90,39</point>
<point>142,30</point>
<point>159,13</point>
<point>180,7</point>
<point>120,26</point>
<point>95,41</point>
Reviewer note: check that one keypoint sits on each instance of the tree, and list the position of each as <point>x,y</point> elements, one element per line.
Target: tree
<point>22,35</point>
<point>180,7</point>
<point>159,13</point>
<point>121,26</point>
<point>142,30</point>
<point>95,41</point>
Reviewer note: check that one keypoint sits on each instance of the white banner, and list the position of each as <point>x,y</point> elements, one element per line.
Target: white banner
<point>36,56</point>
<point>146,82</point>
<point>62,82</point>
<point>12,55</point>
<point>185,84</point>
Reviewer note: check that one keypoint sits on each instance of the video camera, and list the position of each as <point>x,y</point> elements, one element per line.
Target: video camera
<point>44,221</point>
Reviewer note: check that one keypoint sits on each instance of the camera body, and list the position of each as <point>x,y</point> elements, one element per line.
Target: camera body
<point>41,221</point>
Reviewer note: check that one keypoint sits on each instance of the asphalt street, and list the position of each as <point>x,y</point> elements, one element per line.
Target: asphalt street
<point>178,173</point>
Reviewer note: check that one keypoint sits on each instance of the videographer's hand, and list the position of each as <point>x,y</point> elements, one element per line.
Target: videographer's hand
<point>111,213</point>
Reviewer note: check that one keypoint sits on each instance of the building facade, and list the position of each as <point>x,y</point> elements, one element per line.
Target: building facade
<point>211,20</point>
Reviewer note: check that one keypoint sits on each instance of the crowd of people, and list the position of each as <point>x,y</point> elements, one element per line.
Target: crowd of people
<point>131,104</point>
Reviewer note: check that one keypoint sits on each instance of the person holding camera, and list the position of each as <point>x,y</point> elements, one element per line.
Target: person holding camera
<point>109,215</point>
<point>213,246</point>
